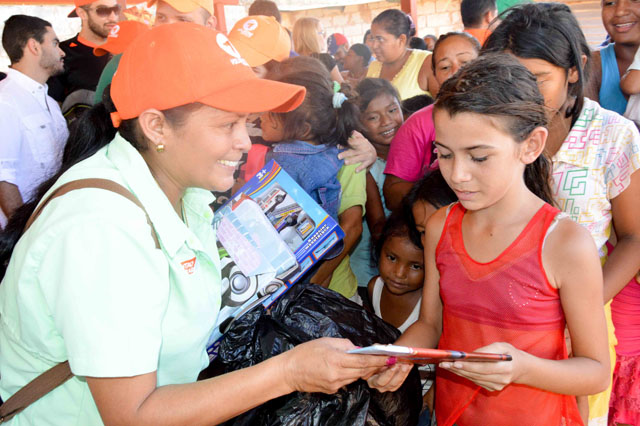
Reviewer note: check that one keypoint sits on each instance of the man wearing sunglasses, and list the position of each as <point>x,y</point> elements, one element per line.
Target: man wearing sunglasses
<point>76,86</point>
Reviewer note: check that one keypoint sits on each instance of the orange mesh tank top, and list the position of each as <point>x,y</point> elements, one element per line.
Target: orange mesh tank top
<point>506,300</point>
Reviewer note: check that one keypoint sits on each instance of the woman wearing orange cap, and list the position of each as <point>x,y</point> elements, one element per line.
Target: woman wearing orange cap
<point>118,273</point>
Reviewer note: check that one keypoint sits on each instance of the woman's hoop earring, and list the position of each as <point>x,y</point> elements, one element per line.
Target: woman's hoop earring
<point>160,148</point>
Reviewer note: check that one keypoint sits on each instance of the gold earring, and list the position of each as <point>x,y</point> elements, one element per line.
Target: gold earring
<point>160,148</point>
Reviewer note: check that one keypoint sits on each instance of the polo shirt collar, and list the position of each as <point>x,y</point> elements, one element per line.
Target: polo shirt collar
<point>172,232</point>
<point>38,90</point>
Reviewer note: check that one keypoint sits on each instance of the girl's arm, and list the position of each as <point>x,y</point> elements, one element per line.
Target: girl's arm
<point>630,82</point>
<point>318,366</point>
<point>571,262</point>
<point>624,262</point>
<point>425,332</point>
<point>394,190</point>
<point>350,221</point>
<point>360,151</point>
<point>335,75</point>
<point>374,210</point>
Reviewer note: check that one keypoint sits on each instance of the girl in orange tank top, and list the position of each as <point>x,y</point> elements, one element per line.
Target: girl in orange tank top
<point>504,271</point>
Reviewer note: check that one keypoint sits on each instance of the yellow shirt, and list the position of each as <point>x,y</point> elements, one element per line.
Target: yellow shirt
<point>354,193</point>
<point>406,80</point>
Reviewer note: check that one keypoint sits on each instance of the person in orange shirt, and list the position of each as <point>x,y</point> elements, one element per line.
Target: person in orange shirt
<point>477,16</point>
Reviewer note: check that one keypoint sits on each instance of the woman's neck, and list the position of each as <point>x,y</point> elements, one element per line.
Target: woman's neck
<point>624,55</point>
<point>396,65</point>
<point>171,188</point>
<point>558,131</point>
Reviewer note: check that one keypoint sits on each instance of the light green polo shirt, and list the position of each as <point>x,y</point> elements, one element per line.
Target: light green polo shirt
<point>86,283</point>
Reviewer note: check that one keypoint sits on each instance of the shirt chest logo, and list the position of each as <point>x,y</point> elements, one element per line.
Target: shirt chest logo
<point>189,265</point>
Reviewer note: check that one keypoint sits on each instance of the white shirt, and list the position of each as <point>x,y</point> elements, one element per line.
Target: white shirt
<point>32,134</point>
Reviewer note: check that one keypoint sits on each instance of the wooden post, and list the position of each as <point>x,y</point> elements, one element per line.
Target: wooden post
<point>410,7</point>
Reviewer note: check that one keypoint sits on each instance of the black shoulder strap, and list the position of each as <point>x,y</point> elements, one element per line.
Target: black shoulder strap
<point>60,373</point>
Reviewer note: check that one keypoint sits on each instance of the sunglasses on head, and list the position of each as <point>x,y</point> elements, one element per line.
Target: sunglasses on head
<point>104,11</point>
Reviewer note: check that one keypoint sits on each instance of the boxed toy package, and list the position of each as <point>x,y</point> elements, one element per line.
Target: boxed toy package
<point>269,234</point>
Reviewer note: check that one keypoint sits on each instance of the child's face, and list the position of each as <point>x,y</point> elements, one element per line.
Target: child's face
<point>553,82</point>
<point>422,211</point>
<point>401,265</point>
<point>272,129</point>
<point>382,118</point>
<point>452,54</point>
<point>620,19</point>
<point>480,162</point>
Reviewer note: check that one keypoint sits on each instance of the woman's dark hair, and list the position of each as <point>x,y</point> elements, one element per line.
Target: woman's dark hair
<point>415,103</point>
<point>363,51</point>
<point>546,31</point>
<point>432,189</point>
<point>395,226</point>
<point>316,119</point>
<point>394,22</point>
<point>90,132</point>
<point>366,34</point>
<point>417,43</point>
<point>471,39</point>
<point>497,85</point>
<point>370,88</point>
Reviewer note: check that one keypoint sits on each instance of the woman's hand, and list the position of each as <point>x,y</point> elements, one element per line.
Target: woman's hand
<point>391,377</point>
<point>360,151</point>
<point>493,376</point>
<point>323,365</point>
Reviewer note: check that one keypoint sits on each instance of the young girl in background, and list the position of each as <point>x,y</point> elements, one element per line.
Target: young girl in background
<point>504,271</point>
<point>305,145</point>
<point>594,152</point>
<point>381,117</point>
<point>411,153</point>
<point>395,294</point>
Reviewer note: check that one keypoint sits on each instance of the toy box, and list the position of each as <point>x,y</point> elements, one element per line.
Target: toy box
<point>269,234</point>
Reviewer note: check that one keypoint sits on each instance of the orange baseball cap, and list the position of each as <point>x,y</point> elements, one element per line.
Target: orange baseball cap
<point>260,39</point>
<point>178,64</point>
<point>186,6</point>
<point>78,3</point>
<point>120,36</point>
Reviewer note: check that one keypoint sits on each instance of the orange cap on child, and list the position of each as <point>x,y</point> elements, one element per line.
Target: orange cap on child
<point>120,36</point>
<point>178,64</point>
<point>260,39</point>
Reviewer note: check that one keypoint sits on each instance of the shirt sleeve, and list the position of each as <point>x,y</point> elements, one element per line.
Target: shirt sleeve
<point>411,147</point>
<point>623,158</point>
<point>107,288</point>
<point>11,143</point>
<point>635,65</point>
<point>354,188</point>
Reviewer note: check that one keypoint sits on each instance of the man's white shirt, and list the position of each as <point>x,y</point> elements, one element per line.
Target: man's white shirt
<point>33,133</point>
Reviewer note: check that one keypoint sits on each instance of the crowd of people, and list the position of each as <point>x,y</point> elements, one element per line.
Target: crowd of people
<point>485,181</point>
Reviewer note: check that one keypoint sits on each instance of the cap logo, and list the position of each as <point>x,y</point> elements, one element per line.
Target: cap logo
<point>248,28</point>
<point>114,31</point>
<point>226,45</point>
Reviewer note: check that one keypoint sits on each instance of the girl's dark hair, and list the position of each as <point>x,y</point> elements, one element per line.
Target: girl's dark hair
<point>90,132</point>
<point>395,226</point>
<point>370,88</point>
<point>395,22</point>
<point>546,31</point>
<point>498,86</point>
<point>471,39</point>
<point>432,189</point>
<point>415,103</point>
<point>366,34</point>
<point>316,119</point>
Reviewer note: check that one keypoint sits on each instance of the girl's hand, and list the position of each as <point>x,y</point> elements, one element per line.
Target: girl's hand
<point>391,377</point>
<point>360,151</point>
<point>493,376</point>
<point>323,365</point>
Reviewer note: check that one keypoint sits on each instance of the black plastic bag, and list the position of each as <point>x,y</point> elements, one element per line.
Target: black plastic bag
<point>304,313</point>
